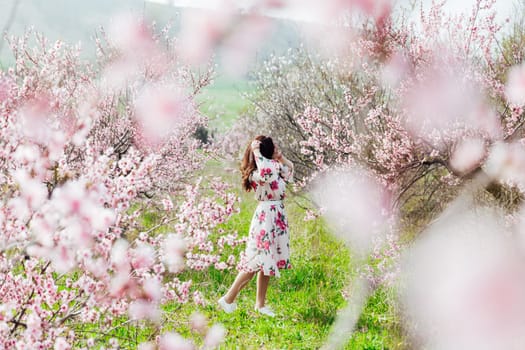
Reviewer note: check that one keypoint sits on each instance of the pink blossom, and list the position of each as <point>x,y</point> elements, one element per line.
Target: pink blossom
<point>506,162</point>
<point>173,341</point>
<point>119,255</point>
<point>34,326</point>
<point>120,284</point>
<point>34,120</point>
<point>199,323</point>
<point>61,344</point>
<point>441,101</point>
<point>395,70</point>
<point>173,249</point>
<point>356,204</point>
<point>465,282</point>
<point>326,39</point>
<point>117,74</point>
<point>32,190</point>
<point>160,109</point>
<point>152,289</point>
<point>167,204</point>
<point>7,86</point>
<point>334,9</point>
<point>239,48</point>
<point>27,154</point>
<point>310,215</point>
<point>515,87</point>
<point>63,259</point>
<point>380,10</point>
<point>70,198</point>
<point>143,309</point>
<point>202,30</point>
<point>215,336</point>
<point>221,265</point>
<point>143,256</point>
<point>468,154</point>
<point>131,35</point>
<point>147,346</point>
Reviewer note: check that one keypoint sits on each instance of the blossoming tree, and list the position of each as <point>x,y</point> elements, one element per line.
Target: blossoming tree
<point>86,150</point>
<point>429,121</point>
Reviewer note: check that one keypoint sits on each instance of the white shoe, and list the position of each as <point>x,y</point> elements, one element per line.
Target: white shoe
<point>228,308</point>
<point>265,310</point>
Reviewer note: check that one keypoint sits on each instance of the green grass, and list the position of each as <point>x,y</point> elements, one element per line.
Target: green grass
<point>223,102</point>
<point>378,327</point>
<point>306,298</point>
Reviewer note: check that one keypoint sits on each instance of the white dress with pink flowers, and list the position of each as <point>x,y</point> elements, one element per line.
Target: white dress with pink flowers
<point>268,246</point>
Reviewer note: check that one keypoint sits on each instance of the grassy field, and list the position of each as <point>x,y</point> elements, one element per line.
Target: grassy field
<point>306,298</point>
<point>223,101</point>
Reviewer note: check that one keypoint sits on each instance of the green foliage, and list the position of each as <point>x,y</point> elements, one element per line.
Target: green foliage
<point>378,327</point>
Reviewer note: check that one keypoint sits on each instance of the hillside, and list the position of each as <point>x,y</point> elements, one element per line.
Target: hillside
<point>76,21</point>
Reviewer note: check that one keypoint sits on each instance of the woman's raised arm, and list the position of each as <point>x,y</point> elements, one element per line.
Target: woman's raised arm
<point>266,169</point>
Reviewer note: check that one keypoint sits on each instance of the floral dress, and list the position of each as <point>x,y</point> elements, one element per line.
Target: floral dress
<point>268,245</point>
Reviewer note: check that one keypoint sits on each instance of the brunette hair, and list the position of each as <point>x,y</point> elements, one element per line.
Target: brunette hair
<point>248,164</point>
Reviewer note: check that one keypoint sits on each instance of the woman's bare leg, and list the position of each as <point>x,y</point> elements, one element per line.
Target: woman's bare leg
<point>240,282</point>
<point>262,287</point>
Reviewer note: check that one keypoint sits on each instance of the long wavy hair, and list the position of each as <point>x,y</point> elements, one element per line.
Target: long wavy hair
<point>248,164</point>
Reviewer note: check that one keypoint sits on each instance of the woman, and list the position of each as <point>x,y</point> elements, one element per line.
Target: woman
<point>264,170</point>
